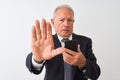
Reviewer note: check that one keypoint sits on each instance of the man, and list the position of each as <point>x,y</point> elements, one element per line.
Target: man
<point>48,50</point>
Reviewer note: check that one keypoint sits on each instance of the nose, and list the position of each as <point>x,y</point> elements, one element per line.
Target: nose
<point>66,23</point>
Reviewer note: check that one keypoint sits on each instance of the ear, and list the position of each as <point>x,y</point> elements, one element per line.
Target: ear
<point>73,20</point>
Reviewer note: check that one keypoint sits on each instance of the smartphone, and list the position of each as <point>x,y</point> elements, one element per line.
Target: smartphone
<point>72,45</point>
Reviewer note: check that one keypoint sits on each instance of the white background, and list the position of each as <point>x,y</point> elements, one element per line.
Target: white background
<point>97,19</point>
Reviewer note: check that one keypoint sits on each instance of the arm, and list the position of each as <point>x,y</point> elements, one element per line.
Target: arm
<point>30,65</point>
<point>92,68</point>
<point>42,45</point>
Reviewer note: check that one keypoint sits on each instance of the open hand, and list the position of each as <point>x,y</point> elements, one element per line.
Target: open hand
<point>42,42</point>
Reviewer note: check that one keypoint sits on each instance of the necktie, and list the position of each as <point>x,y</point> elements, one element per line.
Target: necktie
<point>67,67</point>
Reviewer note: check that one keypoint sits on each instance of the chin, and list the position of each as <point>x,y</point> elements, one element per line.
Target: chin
<point>66,35</point>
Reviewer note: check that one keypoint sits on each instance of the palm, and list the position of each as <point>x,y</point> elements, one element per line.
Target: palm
<point>42,42</point>
<point>43,48</point>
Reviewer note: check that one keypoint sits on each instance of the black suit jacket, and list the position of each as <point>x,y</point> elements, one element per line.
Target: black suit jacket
<point>55,66</point>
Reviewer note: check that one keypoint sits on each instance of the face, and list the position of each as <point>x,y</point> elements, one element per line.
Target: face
<point>63,22</point>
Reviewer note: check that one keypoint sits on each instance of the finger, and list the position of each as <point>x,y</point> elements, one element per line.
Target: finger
<point>34,37</point>
<point>49,31</point>
<point>70,52</point>
<point>57,51</point>
<point>37,28</point>
<point>67,58</point>
<point>79,50</point>
<point>67,55</point>
<point>43,29</point>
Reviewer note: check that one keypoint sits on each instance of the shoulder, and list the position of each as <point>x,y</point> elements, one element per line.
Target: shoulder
<point>55,37</point>
<point>81,37</point>
<point>83,40</point>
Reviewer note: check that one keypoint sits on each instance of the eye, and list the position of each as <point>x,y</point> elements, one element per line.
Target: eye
<point>70,20</point>
<point>62,20</point>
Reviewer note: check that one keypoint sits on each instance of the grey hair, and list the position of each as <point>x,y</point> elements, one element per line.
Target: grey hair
<point>63,6</point>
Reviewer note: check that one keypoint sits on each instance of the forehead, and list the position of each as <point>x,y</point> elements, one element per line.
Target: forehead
<point>64,12</point>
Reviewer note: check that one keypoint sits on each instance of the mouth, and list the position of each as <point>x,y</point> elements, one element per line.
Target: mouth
<point>65,30</point>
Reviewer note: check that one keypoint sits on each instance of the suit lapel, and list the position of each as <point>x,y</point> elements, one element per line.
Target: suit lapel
<point>56,41</point>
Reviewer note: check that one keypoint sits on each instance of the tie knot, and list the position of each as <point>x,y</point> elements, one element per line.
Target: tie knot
<point>65,40</point>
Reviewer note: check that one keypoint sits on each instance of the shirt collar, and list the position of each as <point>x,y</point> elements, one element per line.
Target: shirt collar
<point>60,38</point>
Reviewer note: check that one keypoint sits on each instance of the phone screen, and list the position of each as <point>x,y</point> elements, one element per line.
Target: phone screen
<point>72,45</point>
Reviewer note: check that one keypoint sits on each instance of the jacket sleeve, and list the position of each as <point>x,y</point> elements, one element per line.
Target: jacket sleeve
<point>30,66</point>
<point>92,68</point>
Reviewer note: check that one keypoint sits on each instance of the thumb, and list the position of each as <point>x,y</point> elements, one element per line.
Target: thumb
<point>79,50</point>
